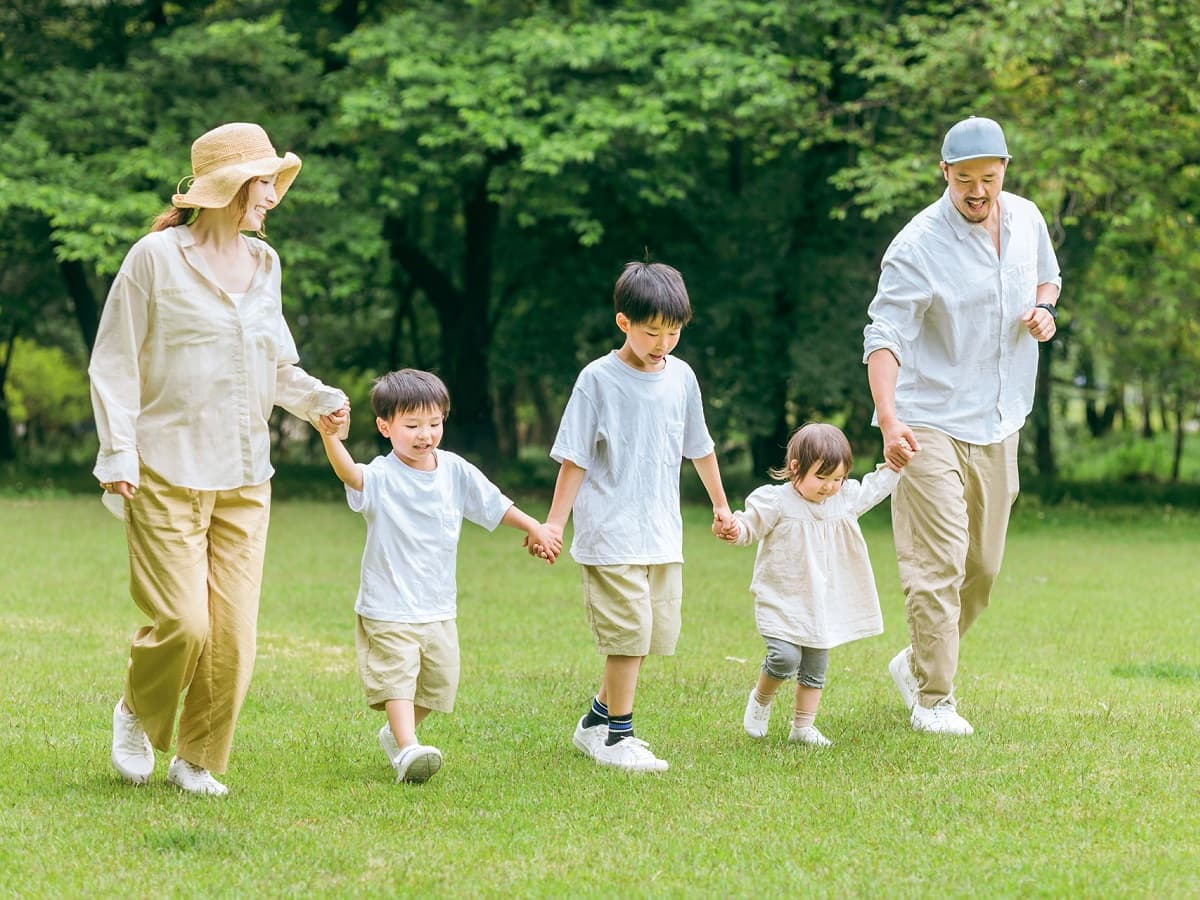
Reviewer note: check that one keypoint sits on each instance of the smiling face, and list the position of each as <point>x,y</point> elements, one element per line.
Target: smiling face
<point>815,487</point>
<point>647,344</point>
<point>975,186</point>
<point>259,199</point>
<point>415,435</point>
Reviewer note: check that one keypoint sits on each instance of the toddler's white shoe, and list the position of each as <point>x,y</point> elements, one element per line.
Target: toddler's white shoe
<point>809,735</point>
<point>194,779</point>
<point>132,754</point>
<point>757,717</point>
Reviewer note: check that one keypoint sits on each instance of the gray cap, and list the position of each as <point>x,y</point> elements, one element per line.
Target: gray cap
<point>974,138</point>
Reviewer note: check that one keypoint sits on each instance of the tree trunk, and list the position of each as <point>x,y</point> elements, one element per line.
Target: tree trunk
<point>83,300</point>
<point>1177,457</point>
<point>463,316</point>
<point>8,446</point>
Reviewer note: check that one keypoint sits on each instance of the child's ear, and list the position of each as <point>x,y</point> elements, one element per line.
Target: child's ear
<point>623,322</point>
<point>382,425</point>
<point>794,467</point>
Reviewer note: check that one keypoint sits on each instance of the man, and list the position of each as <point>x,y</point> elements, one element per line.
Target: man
<point>968,289</point>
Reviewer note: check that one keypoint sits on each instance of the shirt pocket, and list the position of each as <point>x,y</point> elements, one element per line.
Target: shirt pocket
<point>672,447</point>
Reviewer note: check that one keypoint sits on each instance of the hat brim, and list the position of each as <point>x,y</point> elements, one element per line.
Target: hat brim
<point>216,190</point>
<point>959,159</point>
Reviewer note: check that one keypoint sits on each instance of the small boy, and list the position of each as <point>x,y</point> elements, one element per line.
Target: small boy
<point>631,418</point>
<point>414,500</point>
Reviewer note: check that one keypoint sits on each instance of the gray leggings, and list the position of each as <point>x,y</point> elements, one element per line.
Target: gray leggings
<point>785,660</point>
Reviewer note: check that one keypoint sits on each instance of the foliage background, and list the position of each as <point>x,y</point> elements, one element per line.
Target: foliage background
<point>477,171</point>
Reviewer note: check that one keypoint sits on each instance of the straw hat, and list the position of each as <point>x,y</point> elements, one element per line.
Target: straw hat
<point>226,158</point>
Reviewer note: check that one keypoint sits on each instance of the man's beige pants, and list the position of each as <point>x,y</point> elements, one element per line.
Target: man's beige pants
<point>950,519</point>
<point>196,561</point>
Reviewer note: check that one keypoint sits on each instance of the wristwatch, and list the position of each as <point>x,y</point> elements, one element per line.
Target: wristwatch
<point>1050,308</point>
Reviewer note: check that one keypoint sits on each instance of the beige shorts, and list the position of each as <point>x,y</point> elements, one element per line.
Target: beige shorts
<point>634,610</point>
<point>404,661</point>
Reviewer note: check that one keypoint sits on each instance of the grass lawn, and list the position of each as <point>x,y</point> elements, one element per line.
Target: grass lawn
<point>1082,682</point>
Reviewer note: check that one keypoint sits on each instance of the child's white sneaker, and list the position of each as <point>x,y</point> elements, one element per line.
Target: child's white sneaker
<point>589,740</point>
<point>757,717</point>
<point>901,671</point>
<point>132,754</point>
<point>941,718</point>
<point>388,742</point>
<point>194,779</point>
<point>631,754</point>
<point>809,735</point>
<point>418,763</point>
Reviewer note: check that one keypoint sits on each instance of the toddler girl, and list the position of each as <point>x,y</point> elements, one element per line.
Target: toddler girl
<point>813,585</point>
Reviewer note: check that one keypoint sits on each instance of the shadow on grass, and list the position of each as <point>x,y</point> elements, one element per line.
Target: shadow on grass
<point>1160,671</point>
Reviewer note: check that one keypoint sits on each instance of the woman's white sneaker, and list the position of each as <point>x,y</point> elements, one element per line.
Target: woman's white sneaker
<point>132,754</point>
<point>194,779</point>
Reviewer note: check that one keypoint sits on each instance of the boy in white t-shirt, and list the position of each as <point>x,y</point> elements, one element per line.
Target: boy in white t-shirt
<point>632,417</point>
<point>414,500</point>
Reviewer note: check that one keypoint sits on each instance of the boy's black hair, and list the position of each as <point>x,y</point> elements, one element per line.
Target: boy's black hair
<point>407,390</point>
<point>649,291</point>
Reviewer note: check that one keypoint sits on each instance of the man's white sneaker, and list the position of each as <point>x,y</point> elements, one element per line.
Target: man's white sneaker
<point>418,763</point>
<point>589,740</point>
<point>194,779</point>
<point>809,735</point>
<point>631,754</point>
<point>902,674</point>
<point>757,717</point>
<point>388,742</point>
<point>132,754</point>
<point>941,718</point>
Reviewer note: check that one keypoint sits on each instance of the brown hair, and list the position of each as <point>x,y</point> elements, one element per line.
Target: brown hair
<point>813,443</point>
<point>174,215</point>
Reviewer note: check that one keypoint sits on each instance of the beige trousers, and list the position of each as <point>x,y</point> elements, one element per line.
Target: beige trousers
<point>196,561</point>
<point>950,519</point>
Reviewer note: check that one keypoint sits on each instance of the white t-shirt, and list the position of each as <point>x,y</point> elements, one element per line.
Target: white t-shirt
<point>813,585</point>
<point>413,522</point>
<point>631,431</point>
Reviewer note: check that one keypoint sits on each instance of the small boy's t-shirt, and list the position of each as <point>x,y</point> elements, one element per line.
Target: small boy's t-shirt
<point>414,519</point>
<point>631,431</point>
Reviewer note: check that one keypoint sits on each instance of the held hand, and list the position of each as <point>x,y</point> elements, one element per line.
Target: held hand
<point>124,488</point>
<point>543,543</point>
<point>899,445</point>
<point>336,423</point>
<point>1040,323</point>
<point>724,524</point>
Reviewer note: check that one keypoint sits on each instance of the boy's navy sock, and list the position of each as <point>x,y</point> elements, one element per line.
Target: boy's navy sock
<point>619,728</point>
<point>597,715</point>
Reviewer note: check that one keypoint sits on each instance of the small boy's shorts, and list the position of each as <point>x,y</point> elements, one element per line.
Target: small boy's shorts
<point>405,661</point>
<point>634,610</point>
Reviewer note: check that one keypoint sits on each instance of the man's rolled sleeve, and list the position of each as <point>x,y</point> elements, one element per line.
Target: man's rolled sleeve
<point>899,305</point>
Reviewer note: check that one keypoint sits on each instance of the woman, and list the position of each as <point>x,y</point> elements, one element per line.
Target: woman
<point>191,355</point>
